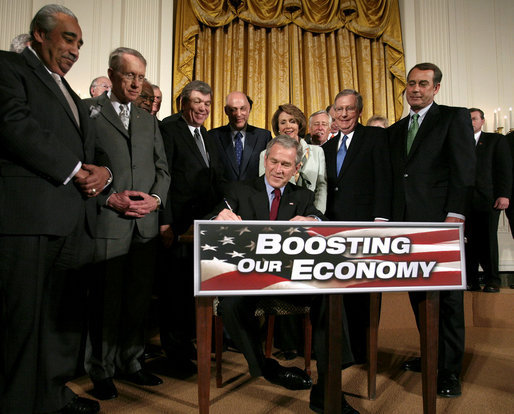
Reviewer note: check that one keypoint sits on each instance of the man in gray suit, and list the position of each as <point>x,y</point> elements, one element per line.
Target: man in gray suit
<point>126,228</point>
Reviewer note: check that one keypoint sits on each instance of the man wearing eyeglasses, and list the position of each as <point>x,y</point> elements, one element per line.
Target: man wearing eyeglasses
<point>359,182</point>
<point>127,226</point>
<point>146,97</point>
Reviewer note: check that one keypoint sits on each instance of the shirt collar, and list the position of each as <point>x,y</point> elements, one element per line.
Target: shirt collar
<point>421,113</point>
<point>270,189</point>
<point>116,102</point>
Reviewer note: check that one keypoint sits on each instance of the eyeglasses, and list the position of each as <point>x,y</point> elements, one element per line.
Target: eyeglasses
<point>349,109</point>
<point>147,97</point>
<point>132,76</point>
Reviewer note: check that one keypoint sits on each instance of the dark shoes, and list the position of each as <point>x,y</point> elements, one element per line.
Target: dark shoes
<point>317,401</point>
<point>142,377</point>
<point>448,386</point>
<point>81,405</point>
<point>491,288</point>
<point>292,378</point>
<point>413,364</point>
<point>104,389</point>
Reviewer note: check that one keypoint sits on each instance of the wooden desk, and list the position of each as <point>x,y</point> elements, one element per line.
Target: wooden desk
<point>429,332</point>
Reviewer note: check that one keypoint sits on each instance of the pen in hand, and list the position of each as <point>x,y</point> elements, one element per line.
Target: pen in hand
<point>228,205</point>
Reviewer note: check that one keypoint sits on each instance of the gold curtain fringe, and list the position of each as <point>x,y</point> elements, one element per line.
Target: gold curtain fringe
<point>378,20</point>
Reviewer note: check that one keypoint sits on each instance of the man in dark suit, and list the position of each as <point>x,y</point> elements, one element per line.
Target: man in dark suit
<point>239,144</point>
<point>493,186</point>
<point>510,210</point>
<point>359,189</point>
<point>47,219</point>
<point>433,159</point>
<point>127,227</point>
<point>271,197</point>
<point>196,175</point>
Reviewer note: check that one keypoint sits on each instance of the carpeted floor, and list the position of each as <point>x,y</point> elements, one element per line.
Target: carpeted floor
<point>487,378</point>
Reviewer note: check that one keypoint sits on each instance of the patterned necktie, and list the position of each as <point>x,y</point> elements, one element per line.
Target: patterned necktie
<point>68,97</point>
<point>238,147</point>
<point>413,130</point>
<point>341,154</point>
<point>274,204</point>
<point>199,143</point>
<point>124,116</point>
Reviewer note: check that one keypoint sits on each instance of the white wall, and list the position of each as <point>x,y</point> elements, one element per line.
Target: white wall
<point>472,41</point>
<point>145,25</point>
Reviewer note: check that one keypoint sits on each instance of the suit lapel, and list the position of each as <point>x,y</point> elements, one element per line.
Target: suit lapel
<point>45,77</point>
<point>250,141</point>
<point>228,148</point>
<point>190,141</point>
<point>430,121</point>
<point>109,113</point>
<point>288,207</point>
<point>260,200</point>
<point>353,149</point>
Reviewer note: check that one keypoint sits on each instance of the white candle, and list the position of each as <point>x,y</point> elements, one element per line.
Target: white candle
<point>505,130</point>
<point>495,121</point>
<point>510,118</point>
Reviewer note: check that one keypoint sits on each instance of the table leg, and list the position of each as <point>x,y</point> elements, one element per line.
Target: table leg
<point>203,343</point>
<point>429,336</point>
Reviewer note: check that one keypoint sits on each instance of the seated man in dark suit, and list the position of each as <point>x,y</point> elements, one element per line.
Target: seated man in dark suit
<point>272,197</point>
<point>239,144</point>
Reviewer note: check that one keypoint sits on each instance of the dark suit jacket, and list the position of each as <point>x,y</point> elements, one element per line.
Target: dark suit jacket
<point>437,176</point>
<point>137,161</point>
<point>493,171</point>
<point>255,142</point>
<point>249,200</point>
<point>510,211</point>
<point>195,187</point>
<point>362,190</point>
<point>40,145</point>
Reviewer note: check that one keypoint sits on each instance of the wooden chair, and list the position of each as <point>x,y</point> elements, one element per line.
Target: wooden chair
<point>269,308</point>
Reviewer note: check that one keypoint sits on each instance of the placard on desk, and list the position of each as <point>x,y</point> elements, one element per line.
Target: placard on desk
<point>284,257</point>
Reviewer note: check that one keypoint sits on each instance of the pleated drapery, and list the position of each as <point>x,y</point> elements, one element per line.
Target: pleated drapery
<point>298,51</point>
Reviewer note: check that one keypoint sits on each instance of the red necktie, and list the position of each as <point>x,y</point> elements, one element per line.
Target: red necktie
<point>274,205</point>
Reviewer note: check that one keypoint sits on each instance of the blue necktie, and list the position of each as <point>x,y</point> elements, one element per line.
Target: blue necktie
<point>341,154</point>
<point>239,147</point>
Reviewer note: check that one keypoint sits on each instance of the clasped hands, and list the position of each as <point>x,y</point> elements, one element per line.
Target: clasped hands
<point>91,179</point>
<point>133,203</point>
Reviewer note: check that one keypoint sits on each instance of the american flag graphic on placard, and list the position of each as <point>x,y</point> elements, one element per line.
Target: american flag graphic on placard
<point>260,257</point>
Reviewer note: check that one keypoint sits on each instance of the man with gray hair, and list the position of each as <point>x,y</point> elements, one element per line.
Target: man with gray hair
<point>20,42</point>
<point>48,216</point>
<point>127,230</point>
<point>320,124</point>
<point>99,85</point>
<point>196,175</point>
<point>268,197</point>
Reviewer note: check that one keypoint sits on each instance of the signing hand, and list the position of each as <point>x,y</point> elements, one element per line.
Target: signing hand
<point>226,214</point>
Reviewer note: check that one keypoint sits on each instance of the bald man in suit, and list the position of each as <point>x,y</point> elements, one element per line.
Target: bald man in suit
<point>239,144</point>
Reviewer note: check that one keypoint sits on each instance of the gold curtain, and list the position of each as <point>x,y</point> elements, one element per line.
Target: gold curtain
<point>298,51</point>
